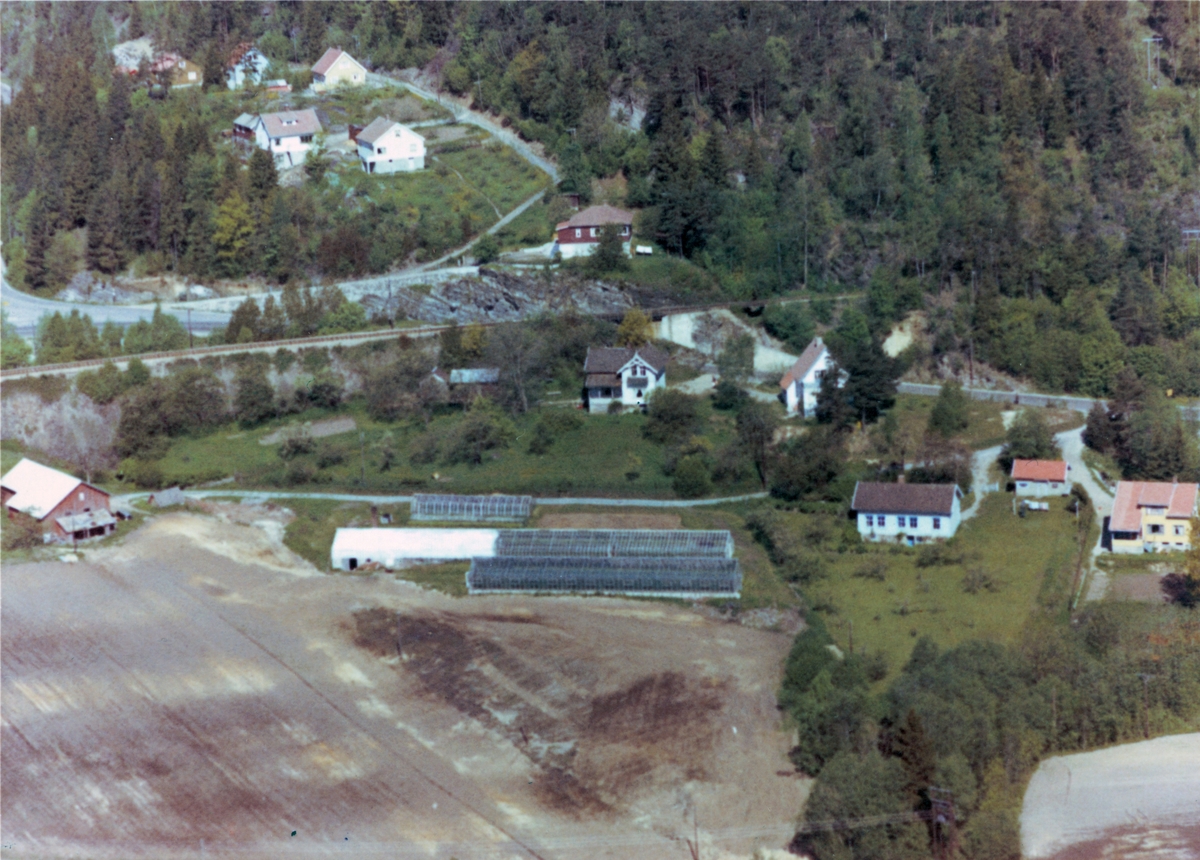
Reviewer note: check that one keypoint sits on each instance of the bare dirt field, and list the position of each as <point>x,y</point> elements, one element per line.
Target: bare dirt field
<point>1138,801</point>
<point>315,429</point>
<point>609,521</point>
<point>1142,587</point>
<point>199,691</point>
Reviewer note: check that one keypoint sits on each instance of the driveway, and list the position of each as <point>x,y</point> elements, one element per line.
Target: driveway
<point>1071,442</point>
<point>980,463</point>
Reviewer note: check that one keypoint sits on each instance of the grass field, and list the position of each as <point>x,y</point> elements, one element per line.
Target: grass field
<point>593,459</point>
<point>886,602</point>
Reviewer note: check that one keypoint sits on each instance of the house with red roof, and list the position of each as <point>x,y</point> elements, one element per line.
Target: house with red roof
<point>580,235</point>
<point>1040,477</point>
<point>1153,516</point>
<point>336,68</point>
<point>799,386</point>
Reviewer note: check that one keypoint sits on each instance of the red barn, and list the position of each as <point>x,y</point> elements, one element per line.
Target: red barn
<point>65,507</point>
<point>579,236</point>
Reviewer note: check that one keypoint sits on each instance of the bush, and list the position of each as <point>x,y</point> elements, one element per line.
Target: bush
<point>295,446</point>
<point>729,395</point>
<point>145,474</point>
<point>298,474</point>
<point>486,249</point>
<point>691,479</point>
<point>425,449</point>
<point>21,533</point>
<point>329,455</point>
<point>939,554</point>
<point>875,568</point>
<point>483,430</point>
<point>542,439</point>
<point>673,416</point>
<point>562,420</point>
<point>790,323</point>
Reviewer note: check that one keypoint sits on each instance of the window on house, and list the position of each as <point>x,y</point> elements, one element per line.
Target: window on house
<point>912,522</point>
<point>306,138</point>
<point>870,521</point>
<point>578,233</point>
<point>1156,529</point>
<point>381,150</point>
<point>277,141</point>
<point>937,522</point>
<point>592,231</point>
<point>1179,530</point>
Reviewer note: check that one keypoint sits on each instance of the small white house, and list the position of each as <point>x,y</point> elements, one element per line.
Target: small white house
<point>1040,477</point>
<point>800,385</point>
<point>386,146</point>
<point>247,64</point>
<point>623,375</point>
<point>908,513</point>
<point>397,548</point>
<point>335,68</point>
<point>288,135</point>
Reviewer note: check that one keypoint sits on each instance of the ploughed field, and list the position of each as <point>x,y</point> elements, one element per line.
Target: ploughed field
<point>199,691</point>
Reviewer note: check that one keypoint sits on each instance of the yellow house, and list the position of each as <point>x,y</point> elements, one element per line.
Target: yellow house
<point>1150,516</point>
<point>336,67</point>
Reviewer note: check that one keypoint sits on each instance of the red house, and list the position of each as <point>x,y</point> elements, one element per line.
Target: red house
<point>579,236</point>
<point>65,507</point>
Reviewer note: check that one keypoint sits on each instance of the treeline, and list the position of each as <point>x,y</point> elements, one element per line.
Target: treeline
<point>969,726</point>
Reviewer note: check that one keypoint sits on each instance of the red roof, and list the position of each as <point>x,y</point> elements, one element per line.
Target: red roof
<point>1178,499</point>
<point>1039,470</point>
<point>804,363</point>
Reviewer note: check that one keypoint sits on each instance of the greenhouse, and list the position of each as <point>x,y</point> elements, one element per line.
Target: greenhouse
<point>471,509</point>
<point>600,543</point>
<point>687,578</point>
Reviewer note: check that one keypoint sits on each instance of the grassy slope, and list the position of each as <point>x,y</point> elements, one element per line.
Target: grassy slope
<point>591,459</point>
<point>889,616</point>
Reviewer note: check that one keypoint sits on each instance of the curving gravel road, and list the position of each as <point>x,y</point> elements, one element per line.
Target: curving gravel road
<point>262,495</point>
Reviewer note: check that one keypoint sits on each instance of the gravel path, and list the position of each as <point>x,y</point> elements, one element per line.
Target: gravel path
<point>254,496</point>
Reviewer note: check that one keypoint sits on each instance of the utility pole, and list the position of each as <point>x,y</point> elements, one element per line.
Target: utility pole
<point>1146,679</point>
<point>362,458</point>
<point>1155,41</point>
<point>189,313</point>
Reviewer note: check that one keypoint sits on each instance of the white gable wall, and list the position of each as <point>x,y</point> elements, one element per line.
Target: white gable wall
<point>802,393</point>
<point>292,149</point>
<point>918,528</point>
<point>397,150</point>
<point>401,547</point>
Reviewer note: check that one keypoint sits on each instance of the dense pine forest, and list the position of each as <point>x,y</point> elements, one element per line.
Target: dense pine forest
<point>1019,171</point>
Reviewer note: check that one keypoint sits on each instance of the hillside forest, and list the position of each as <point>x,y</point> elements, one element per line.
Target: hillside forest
<point>1018,171</point>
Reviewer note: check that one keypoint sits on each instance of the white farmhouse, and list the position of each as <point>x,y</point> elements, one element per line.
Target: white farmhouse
<point>800,385</point>
<point>288,135</point>
<point>909,513</point>
<point>622,375</point>
<point>246,65</point>
<point>1040,477</point>
<point>386,146</point>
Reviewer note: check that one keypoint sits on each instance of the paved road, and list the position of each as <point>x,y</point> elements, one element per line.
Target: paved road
<point>263,495</point>
<point>24,311</point>
<point>1021,398</point>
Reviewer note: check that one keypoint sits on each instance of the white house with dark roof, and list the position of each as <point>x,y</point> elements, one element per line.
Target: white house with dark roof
<point>288,135</point>
<point>799,386</point>
<point>336,67</point>
<point>386,146</point>
<point>908,513</point>
<point>622,375</point>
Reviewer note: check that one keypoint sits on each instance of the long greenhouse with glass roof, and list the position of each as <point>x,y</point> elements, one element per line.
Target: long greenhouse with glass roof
<point>688,578</point>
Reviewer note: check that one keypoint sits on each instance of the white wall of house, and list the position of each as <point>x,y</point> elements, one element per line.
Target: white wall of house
<point>397,150</point>
<point>1038,489</point>
<point>804,391</point>
<point>292,149</point>
<point>249,68</point>
<point>918,528</point>
<point>583,249</point>
<point>628,395</point>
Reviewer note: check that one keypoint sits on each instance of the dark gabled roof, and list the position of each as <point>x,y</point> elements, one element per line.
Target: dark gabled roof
<point>610,359</point>
<point>597,216</point>
<point>804,363</point>
<point>872,497</point>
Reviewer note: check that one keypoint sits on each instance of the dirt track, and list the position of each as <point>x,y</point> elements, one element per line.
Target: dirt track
<point>161,700</point>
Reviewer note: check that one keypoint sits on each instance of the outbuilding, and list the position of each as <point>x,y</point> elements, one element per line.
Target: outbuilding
<point>65,507</point>
<point>1040,478</point>
<point>396,548</point>
<point>909,513</point>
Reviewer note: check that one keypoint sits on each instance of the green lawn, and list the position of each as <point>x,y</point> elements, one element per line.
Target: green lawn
<point>888,615</point>
<point>590,460</point>
<point>986,427</point>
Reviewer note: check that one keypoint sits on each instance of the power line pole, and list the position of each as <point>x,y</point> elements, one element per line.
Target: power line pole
<point>1146,679</point>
